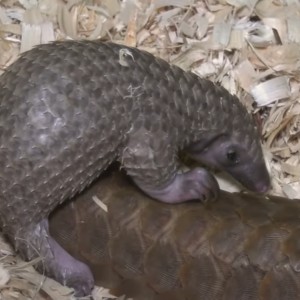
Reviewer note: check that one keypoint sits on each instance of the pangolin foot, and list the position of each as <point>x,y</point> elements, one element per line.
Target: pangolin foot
<point>56,262</point>
<point>192,185</point>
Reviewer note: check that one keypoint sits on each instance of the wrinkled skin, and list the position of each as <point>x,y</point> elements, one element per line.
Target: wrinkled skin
<point>222,153</point>
<point>197,184</point>
<point>227,155</point>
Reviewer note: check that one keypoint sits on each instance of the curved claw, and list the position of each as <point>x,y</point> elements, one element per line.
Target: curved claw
<point>200,184</point>
<point>195,184</point>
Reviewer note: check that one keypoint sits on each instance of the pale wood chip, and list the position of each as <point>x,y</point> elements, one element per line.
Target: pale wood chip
<point>245,74</point>
<point>290,169</point>
<point>271,90</point>
<point>221,35</point>
<point>162,3</point>
<point>293,25</point>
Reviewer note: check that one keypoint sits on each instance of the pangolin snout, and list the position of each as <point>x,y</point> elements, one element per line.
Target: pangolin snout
<point>259,182</point>
<point>262,187</point>
<point>255,178</point>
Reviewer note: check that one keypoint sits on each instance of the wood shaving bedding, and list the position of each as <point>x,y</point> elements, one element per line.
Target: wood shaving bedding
<point>250,47</point>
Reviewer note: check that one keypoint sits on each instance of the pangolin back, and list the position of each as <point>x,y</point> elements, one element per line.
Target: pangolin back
<point>243,246</point>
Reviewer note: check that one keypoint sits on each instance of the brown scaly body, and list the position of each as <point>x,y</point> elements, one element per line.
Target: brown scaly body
<point>69,109</point>
<point>243,246</point>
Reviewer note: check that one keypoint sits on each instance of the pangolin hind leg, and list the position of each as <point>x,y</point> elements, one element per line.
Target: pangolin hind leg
<point>36,242</point>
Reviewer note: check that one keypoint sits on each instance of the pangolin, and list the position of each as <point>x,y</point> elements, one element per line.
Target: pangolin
<point>69,109</point>
<point>242,247</point>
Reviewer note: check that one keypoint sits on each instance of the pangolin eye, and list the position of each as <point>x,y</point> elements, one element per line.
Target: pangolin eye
<point>232,156</point>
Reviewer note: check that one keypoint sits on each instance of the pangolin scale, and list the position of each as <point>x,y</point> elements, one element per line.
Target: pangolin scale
<point>242,247</point>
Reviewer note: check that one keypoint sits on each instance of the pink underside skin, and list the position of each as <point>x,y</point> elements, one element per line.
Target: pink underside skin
<point>197,184</point>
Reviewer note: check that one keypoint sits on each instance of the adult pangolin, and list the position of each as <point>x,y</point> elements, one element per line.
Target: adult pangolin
<point>68,109</point>
<point>244,246</point>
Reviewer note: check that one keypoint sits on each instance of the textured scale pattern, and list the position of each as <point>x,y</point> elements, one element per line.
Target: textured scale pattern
<point>66,109</point>
<point>242,247</point>
<point>69,109</point>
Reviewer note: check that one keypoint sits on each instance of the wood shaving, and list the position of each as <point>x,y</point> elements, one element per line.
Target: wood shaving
<point>271,90</point>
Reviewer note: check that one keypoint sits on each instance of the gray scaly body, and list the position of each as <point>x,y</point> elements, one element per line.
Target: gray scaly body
<point>69,109</point>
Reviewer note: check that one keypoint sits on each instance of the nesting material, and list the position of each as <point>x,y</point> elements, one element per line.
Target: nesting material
<point>271,90</point>
<point>250,47</point>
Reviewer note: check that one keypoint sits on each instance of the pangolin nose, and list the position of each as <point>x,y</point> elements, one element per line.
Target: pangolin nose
<point>263,186</point>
